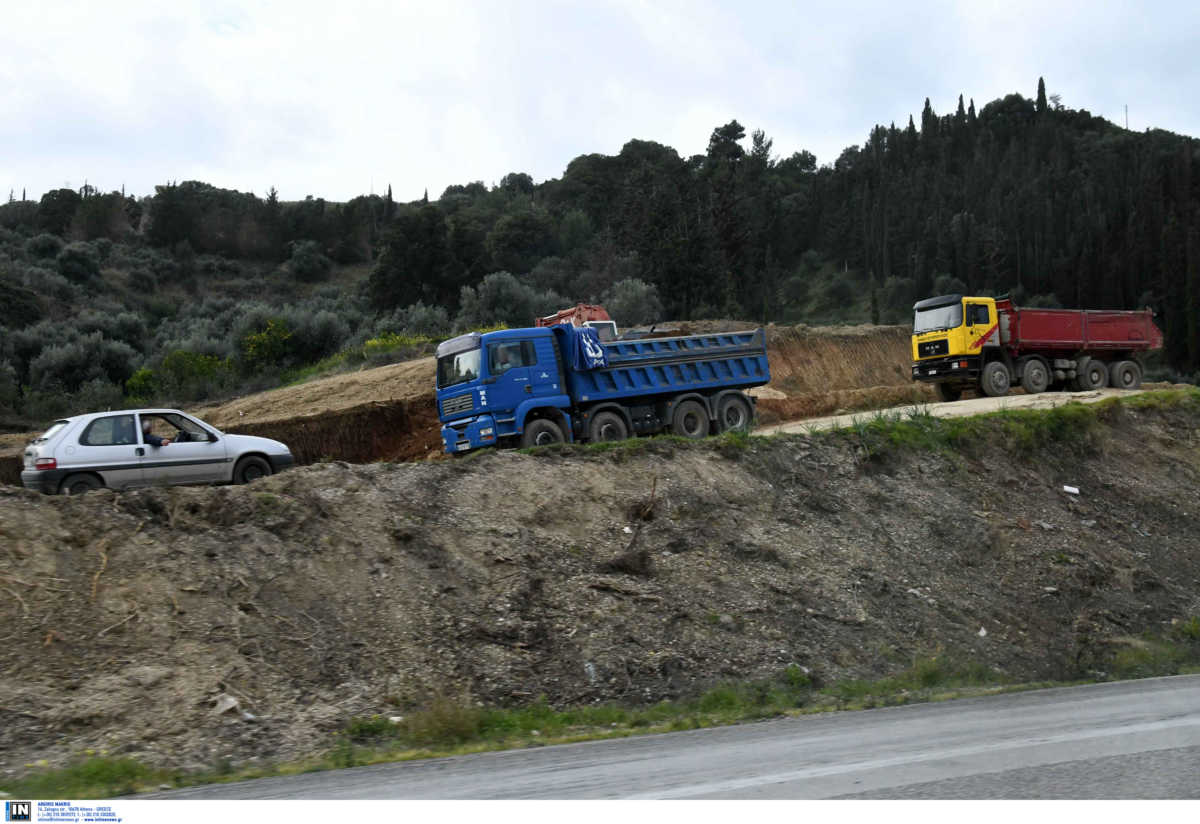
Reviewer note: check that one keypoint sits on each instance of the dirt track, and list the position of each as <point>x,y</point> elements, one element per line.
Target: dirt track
<point>957,409</point>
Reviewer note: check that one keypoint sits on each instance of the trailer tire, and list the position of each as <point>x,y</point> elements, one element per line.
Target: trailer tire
<point>1090,374</point>
<point>1125,375</point>
<point>947,392</point>
<point>541,432</point>
<point>734,414</point>
<point>690,420</point>
<point>994,380</point>
<point>608,426</point>
<point>1035,377</point>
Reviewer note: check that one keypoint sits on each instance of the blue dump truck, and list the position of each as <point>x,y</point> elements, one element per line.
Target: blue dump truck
<point>530,387</point>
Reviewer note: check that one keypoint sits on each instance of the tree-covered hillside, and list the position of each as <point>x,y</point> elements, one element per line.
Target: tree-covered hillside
<point>197,290</point>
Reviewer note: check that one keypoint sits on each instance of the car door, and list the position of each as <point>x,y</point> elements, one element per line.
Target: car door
<point>194,456</point>
<point>109,446</point>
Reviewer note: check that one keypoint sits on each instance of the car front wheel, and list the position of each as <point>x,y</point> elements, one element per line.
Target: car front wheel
<point>250,468</point>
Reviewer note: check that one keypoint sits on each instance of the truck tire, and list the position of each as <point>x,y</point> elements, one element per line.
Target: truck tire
<point>947,392</point>
<point>1035,377</point>
<point>79,484</point>
<point>608,426</point>
<point>733,414</point>
<point>690,420</point>
<point>994,380</point>
<point>541,432</point>
<point>1125,375</point>
<point>1090,374</point>
<point>250,468</point>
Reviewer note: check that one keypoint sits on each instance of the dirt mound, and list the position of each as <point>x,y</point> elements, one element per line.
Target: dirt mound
<point>190,626</point>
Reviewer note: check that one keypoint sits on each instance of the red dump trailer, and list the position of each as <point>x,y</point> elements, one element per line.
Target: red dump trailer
<point>979,342</point>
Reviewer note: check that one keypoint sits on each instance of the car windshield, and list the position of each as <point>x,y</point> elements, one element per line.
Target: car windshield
<point>54,429</point>
<point>458,368</point>
<point>940,317</point>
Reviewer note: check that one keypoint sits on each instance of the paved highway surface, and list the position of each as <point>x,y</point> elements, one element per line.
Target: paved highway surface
<point>1134,739</point>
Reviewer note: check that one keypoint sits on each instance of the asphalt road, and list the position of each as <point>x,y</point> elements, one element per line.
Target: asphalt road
<point>1134,739</point>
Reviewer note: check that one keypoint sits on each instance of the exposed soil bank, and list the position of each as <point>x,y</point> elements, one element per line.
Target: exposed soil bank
<point>133,623</point>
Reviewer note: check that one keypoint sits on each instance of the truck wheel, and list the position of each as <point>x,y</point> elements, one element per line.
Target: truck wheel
<point>733,414</point>
<point>994,379</point>
<point>1125,375</point>
<point>947,392</point>
<point>250,468</point>
<point>1091,374</point>
<point>690,420</point>
<point>1034,377</point>
<point>608,426</point>
<point>541,432</point>
<point>79,484</point>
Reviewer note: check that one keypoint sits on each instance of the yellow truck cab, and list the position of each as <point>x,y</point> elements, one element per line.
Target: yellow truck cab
<point>950,333</point>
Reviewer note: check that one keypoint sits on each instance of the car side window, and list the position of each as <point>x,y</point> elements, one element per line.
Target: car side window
<point>978,314</point>
<point>114,430</point>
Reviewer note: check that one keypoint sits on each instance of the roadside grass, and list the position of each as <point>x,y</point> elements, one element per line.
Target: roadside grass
<point>456,726</point>
<point>1023,432</point>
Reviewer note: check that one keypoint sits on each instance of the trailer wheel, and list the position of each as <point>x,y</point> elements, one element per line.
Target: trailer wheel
<point>608,426</point>
<point>947,392</point>
<point>1125,375</point>
<point>690,420</point>
<point>733,414</point>
<point>541,432</point>
<point>994,380</point>
<point>1034,377</point>
<point>1090,373</point>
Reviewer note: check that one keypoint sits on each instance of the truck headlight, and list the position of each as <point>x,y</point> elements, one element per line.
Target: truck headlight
<point>483,433</point>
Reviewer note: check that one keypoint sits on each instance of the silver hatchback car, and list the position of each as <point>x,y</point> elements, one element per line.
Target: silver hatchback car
<point>144,447</point>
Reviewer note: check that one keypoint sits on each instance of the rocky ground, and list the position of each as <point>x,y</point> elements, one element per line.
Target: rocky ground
<point>191,626</point>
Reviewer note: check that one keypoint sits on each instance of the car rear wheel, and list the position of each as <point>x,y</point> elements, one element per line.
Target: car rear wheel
<point>79,484</point>
<point>250,468</point>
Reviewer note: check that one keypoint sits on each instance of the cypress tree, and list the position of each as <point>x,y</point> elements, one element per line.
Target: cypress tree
<point>1041,97</point>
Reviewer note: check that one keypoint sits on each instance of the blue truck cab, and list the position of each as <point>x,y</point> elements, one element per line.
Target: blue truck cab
<point>546,385</point>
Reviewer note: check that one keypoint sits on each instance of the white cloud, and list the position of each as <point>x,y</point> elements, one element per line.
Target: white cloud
<point>330,99</point>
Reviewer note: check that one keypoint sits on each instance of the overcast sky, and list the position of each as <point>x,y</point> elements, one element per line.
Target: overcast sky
<point>336,99</point>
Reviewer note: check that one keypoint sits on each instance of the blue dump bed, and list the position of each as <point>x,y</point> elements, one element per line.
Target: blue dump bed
<point>652,366</point>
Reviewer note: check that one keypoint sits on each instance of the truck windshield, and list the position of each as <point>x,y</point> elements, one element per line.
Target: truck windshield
<point>458,368</point>
<point>940,317</point>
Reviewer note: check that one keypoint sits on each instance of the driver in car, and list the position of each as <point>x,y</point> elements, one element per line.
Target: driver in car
<point>150,438</point>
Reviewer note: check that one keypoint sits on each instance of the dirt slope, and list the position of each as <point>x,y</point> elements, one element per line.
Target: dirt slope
<point>133,622</point>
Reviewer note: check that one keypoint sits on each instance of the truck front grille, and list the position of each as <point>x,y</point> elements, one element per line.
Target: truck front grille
<point>461,403</point>
<point>933,348</point>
